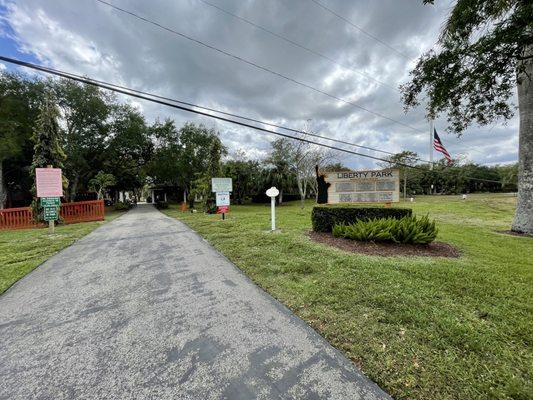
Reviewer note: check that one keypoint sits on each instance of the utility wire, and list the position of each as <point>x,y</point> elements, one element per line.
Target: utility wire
<point>298,131</point>
<point>323,6</point>
<point>301,46</point>
<point>154,100</point>
<point>150,97</point>
<point>295,81</point>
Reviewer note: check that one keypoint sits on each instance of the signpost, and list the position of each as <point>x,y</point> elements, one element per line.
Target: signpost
<point>222,203</point>
<point>222,188</point>
<point>381,186</point>
<point>221,185</point>
<point>272,193</point>
<point>50,201</point>
<point>49,184</point>
<point>51,214</point>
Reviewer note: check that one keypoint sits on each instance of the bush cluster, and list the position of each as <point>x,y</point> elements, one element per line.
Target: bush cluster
<point>404,230</point>
<point>123,205</point>
<point>324,218</point>
<point>160,205</point>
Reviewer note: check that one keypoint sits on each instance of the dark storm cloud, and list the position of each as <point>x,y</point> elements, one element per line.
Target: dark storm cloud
<point>90,38</point>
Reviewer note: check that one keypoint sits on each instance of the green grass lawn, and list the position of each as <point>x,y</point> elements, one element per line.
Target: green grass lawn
<point>422,328</point>
<point>21,251</point>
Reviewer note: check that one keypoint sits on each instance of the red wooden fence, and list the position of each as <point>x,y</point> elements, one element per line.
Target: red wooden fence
<point>81,211</point>
<point>16,218</point>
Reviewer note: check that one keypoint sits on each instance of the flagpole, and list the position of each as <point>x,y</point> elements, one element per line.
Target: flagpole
<point>431,129</point>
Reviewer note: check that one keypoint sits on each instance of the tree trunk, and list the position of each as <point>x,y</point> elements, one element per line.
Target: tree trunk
<point>404,184</point>
<point>301,189</point>
<point>523,220</point>
<point>74,189</point>
<point>3,189</point>
<point>280,197</point>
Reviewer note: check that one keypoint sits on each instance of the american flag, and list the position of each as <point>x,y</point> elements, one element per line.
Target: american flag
<point>437,145</point>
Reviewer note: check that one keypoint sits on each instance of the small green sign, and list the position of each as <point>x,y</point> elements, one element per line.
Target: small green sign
<point>50,201</point>
<point>51,213</point>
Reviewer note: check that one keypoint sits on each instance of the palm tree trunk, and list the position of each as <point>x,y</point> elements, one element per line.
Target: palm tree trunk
<point>523,220</point>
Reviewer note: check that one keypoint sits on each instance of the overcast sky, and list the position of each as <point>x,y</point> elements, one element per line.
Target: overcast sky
<point>90,38</point>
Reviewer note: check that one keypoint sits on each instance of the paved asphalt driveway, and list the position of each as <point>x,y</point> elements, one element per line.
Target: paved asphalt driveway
<point>143,308</point>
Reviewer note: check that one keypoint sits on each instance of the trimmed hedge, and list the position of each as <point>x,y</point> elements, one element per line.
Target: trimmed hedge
<point>325,217</point>
<point>405,230</point>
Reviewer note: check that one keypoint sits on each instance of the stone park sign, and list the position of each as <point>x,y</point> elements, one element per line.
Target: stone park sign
<point>381,186</point>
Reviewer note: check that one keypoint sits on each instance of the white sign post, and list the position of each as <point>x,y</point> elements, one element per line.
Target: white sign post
<point>49,183</point>
<point>221,185</point>
<point>272,193</point>
<point>222,188</point>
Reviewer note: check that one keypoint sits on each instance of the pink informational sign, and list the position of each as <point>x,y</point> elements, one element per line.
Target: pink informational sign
<point>49,182</point>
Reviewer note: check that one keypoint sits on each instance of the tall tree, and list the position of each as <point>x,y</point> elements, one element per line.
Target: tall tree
<point>48,137</point>
<point>401,161</point>
<point>48,149</point>
<point>196,147</point>
<point>164,168</point>
<point>86,112</point>
<point>486,49</point>
<point>101,182</point>
<point>245,175</point>
<point>130,149</point>
<point>20,100</point>
<point>202,183</point>
<point>282,174</point>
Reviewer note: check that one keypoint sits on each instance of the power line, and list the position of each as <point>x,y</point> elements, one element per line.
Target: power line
<point>298,131</point>
<point>294,43</point>
<point>151,98</point>
<point>323,6</point>
<point>295,81</point>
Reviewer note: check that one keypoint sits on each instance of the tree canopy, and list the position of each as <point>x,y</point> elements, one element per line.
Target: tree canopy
<point>472,75</point>
<point>484,52</point>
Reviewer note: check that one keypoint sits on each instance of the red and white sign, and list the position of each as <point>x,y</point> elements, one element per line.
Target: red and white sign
<point>49,182</point>
<point>222,209</point>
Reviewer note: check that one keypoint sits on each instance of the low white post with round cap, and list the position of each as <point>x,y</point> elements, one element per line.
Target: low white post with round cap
<point>272,193</point>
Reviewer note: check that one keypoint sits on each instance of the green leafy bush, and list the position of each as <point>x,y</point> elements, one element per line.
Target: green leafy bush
<point>324,218</point>
<point>404,230</point>
<point>122,205</point>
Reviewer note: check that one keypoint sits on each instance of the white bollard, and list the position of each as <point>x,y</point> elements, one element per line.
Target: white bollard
<point>272,193</point>
<point>273,212</point>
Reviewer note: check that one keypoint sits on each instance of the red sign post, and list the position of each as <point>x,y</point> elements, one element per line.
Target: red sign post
<point>222,209</point>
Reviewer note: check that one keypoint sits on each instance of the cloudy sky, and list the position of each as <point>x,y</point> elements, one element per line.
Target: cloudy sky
<point>90,38</point>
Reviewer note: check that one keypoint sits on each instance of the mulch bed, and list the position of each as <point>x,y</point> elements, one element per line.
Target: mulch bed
<point>435,249</point>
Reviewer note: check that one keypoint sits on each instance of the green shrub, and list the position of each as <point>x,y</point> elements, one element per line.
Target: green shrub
<point>325,217</point>
<point>160,205</point>
<point>404,230</point>
<point>122,205</point>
